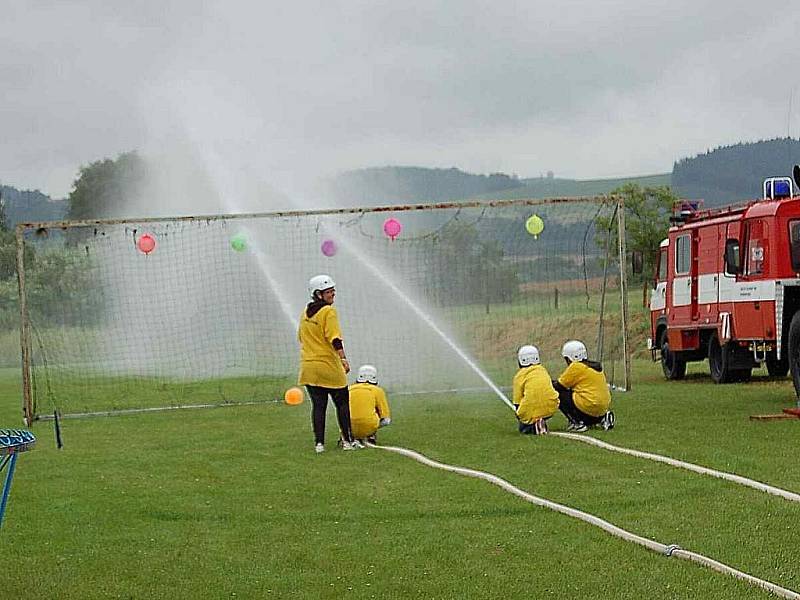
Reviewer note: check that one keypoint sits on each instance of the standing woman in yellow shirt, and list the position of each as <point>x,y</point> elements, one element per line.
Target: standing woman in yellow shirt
<point>323,364</point>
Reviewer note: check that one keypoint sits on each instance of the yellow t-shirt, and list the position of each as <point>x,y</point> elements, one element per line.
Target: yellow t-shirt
<point>533,391</point>
<point>368,405</point>
<point>589,388</point>
<point>319,362</point>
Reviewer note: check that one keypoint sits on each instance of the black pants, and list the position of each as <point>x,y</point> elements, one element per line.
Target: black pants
<point>319,406</point>
<point>574,414</point>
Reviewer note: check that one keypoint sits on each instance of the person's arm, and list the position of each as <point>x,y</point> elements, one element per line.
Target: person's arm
<point>334,336</point>
<point>339,347</point>
<point>527,400</point>
<point>383,407</point>
<point>516,390</point>
<point>568,378</point>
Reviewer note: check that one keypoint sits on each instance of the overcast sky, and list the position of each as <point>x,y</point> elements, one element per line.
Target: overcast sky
<point>294,89</point>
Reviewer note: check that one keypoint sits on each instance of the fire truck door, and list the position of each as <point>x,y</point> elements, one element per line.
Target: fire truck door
<point>694,288</point>
<point>709,264</point>
<point>753,293</point>
<point>684,284</point>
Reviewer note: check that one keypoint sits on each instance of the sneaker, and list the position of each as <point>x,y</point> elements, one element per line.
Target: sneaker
<point>372,439</point>
<point>319,448</point>
<point>347,445</point>
<point>358,444</point>
<point>607,421</point>
<point>577,427</point>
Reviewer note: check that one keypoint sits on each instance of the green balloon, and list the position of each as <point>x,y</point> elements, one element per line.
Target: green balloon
<point>239,242</point>
<point>534,225</point>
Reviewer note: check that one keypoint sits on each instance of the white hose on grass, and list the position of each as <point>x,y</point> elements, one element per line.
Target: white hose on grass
<point>666,550</point>
<point>757,485</point>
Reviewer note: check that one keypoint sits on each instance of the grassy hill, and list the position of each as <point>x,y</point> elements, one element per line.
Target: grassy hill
<point>400,185</point>
<point>549,188</point>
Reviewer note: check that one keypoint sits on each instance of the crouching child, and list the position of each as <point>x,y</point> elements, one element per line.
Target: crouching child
<point>583,392</point>
<point>369,409</point>
<point>535,399</point>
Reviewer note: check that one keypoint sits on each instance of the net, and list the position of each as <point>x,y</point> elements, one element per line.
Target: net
<point>126,315</point>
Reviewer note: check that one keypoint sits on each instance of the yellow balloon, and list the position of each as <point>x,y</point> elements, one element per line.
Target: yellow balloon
<point>534,225</point>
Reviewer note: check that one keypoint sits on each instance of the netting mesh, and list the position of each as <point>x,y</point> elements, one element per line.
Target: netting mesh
<point>210,314</point>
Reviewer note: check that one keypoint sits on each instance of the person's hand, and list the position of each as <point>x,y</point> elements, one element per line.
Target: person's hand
<point>346,365</point>
<point>385,421</point>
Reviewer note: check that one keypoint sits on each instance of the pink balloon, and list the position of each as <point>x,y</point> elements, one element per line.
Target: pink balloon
<point>328,248</point>
<point>392,227</point>
<point>146,243</point>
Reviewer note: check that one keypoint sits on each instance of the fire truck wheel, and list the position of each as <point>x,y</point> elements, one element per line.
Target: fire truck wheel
<point>775,367</point>
<point>719,362</point>
<point>673,365</point>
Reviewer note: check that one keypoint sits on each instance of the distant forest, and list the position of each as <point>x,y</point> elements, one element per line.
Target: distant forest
<point>731,174</point>
<point>397,185</point>
<point>725,175</point>
<point>26,206</point>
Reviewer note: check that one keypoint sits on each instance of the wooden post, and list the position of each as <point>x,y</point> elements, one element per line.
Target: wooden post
<point>24,331</point>
<point>623,289</point>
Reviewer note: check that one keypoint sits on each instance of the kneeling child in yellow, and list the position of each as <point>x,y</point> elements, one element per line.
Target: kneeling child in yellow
<point>583,390</point>
<point>369,409</point>
<point>534,396</point>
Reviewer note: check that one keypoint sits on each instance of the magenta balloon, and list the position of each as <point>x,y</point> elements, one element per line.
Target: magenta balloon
<point>328,247</point>
<point>392,227</point>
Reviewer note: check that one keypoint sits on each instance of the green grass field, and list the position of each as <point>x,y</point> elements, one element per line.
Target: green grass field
<point>233,502</point>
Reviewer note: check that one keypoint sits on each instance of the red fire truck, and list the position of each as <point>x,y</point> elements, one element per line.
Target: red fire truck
<point>727,287</point>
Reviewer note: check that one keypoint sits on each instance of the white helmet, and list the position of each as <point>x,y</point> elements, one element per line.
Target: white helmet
<point>528,355</point>
<point>319,283</point>
<point>574,350</point>
<point>367,374</point>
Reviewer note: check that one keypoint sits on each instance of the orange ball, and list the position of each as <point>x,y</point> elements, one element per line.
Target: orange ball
<point>293,396</point>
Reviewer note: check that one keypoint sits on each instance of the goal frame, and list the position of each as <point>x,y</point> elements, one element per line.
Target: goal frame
<point>25,326</point>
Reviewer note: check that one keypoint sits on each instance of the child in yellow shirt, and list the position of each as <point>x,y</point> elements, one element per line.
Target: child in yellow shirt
<point>369,408</point>
<point>533,394</point>
<point>583,390</point>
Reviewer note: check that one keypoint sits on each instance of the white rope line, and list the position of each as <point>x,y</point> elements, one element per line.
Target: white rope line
<point>666,550</point>
<point>762,487</point>
<point>130,411</point>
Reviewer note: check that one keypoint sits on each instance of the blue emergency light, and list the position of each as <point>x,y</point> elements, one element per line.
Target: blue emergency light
<point>777,187</point>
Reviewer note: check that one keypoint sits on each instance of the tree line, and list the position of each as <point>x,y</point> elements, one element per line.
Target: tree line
<point>468,264</point>
<point>732,174</point>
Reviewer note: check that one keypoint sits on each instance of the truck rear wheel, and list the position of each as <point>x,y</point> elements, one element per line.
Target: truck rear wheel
<point>794,351</point>
<point>719,361</point>
<point>775,367</point>
<point>673,365</point>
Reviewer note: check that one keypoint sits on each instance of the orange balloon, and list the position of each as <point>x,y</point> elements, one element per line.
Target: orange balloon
<point>293,396</point>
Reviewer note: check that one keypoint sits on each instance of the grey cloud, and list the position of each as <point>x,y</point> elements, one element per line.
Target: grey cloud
<point>289,90</point>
